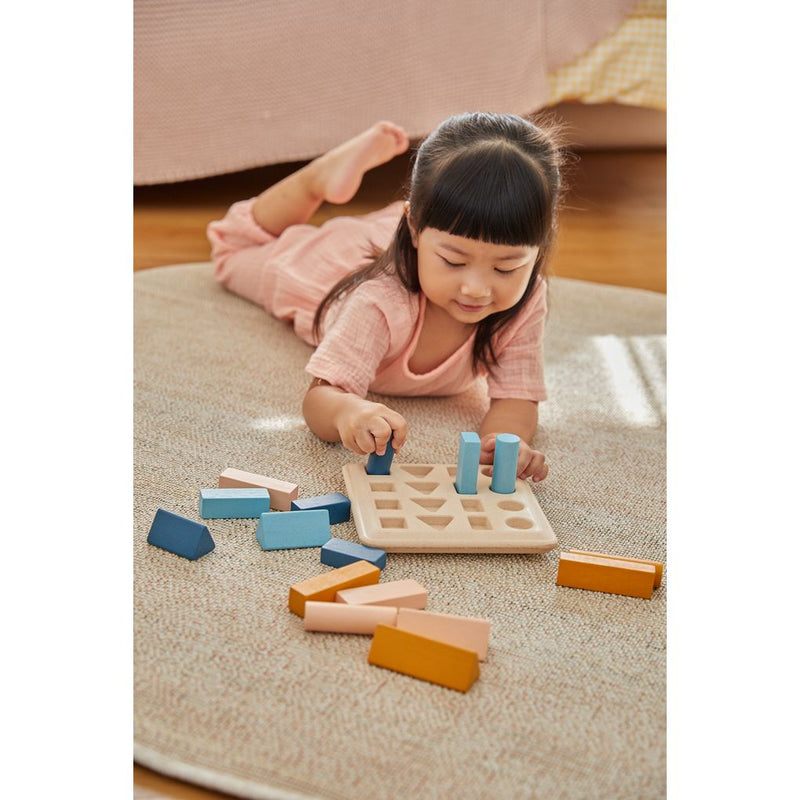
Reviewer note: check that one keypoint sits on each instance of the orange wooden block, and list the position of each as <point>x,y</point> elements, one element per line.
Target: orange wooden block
<point>605,575</point>
<point>324,587</point>
<point>657,564</point>
<point>427,659</point>
<point>281,493</point>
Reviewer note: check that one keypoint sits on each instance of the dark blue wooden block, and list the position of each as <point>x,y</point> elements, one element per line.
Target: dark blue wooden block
<point>381,465</point>
<point>340,553</point>
<point>180,535</point>
<point>337,504</point>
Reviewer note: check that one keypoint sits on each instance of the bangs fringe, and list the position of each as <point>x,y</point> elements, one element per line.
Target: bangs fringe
<point>496,195</point>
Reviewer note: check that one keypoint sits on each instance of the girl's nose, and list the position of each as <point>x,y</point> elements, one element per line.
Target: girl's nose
<point>474,290</point>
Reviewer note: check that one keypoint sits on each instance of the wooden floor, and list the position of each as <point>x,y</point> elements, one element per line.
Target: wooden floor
<point>613,230</point>
<point>613,227</point>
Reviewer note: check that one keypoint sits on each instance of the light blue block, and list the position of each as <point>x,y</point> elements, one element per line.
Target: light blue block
<point>504,468</point>
<point>336,503</point>
<point>286,530</point>
<point>381,465</point>
<point>469,454</point>
<point>340,553</point>
<point>179,535</point>
<point>233,503</point>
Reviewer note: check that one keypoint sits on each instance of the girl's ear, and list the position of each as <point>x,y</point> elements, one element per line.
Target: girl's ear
<point>407,212</point>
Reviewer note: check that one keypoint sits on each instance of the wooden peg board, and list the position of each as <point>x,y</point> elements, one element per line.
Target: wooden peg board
<point>416,509</point>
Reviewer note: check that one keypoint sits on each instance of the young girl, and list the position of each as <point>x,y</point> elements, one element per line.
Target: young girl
<point>452,287</point>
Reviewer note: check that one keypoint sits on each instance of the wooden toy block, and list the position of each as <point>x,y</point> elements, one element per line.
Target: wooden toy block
<point>338,552</point>
<point>407,593</point>
<point>341,618</point>
<point>336,503</point>
<point>606,575</point>
<point>504,466</point>
<point>380,465</point>
<point>470,633</point>
<point>416,509</point>
<point>179,535</point>
<point>281,493</point>
<point>424,658</point>
<point>293,529</point>
<point>469,453</point>
<point>233,503</point>
<point>659,566</point>
<point>324,587</point>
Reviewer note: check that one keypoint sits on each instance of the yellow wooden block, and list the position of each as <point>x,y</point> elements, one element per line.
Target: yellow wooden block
<point>424,658</point>
<point>657,564</point>
<point>324,587</point>
<point>602,574</point>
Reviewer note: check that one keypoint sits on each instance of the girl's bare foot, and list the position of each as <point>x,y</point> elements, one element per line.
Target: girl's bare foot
<point>339,171</point>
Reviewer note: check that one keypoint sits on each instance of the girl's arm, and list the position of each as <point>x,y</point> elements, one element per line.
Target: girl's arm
<point>507,415</point>
<point>360,425</point>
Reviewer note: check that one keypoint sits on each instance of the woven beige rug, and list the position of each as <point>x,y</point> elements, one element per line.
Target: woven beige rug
<point>231,693</point>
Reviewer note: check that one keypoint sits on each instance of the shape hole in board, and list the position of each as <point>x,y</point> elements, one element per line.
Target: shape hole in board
<point>425,488</point>
<point>479,523</point>
<point>510,505</point>
<point>452,471</point>
<point>519,522</point>
<point>472,505</point>
<point>436,522</point>
<point>429,503</point>
<point>417,472</point>
<point>382,487</point>
<point>387,504</point>
<point>393,522</point>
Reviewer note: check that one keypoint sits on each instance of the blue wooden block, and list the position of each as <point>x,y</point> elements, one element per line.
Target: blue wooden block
<point>504,468</point>
<point>286,530</point>
<point>337,504</point>
<point>233,503</point>
<point>381,465</point>
<point>469,454</point>
<point>340,553</point>
<point>180,535</point>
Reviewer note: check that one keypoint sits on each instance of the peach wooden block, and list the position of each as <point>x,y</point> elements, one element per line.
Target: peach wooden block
<point>281,493</point>
<point>324,587</point>
<point>605,575</point>
<point>342,618</point>
<point>424,658</point>
<point>657,564</point>
<point>408,593</point>
<point>470,633</point>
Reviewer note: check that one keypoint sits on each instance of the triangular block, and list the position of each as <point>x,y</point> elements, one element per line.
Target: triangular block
<point>179,535</point>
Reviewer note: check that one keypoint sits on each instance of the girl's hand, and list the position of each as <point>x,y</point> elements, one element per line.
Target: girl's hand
<point>530,463</point>
<point>365,427</point>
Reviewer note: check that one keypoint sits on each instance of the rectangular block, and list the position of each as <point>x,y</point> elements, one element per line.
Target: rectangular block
<point>470,633</point>
<point>233,503</point>
<point>287,530</point>
<point>427,659</point>
<point>605,575</point>
<point>469,453</point>
<point>407,593</point>
<point>336,503</point>
<point>281,493</point>
<point>341,618</point>
<point>659,566</point>
<point>179,535</point>
<point>380,465</point>
<point>324,587</point>
<point>338,553</point>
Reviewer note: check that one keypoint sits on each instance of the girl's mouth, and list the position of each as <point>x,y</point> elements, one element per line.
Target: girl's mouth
<point>470,309</point>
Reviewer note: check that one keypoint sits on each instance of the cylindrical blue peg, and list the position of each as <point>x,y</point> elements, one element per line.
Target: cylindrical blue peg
<point>504,467</point>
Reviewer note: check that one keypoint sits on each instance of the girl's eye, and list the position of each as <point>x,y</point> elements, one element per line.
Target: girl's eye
<point>450,263</point>
<point>505,271</point>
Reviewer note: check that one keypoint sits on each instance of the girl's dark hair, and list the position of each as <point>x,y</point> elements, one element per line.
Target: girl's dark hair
<point>492,177</point>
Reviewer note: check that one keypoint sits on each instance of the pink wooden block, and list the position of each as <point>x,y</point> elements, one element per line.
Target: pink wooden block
<point>407,593</point>
<point>343,618</point>
<point>281,493</point>
<point>470,633</point>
